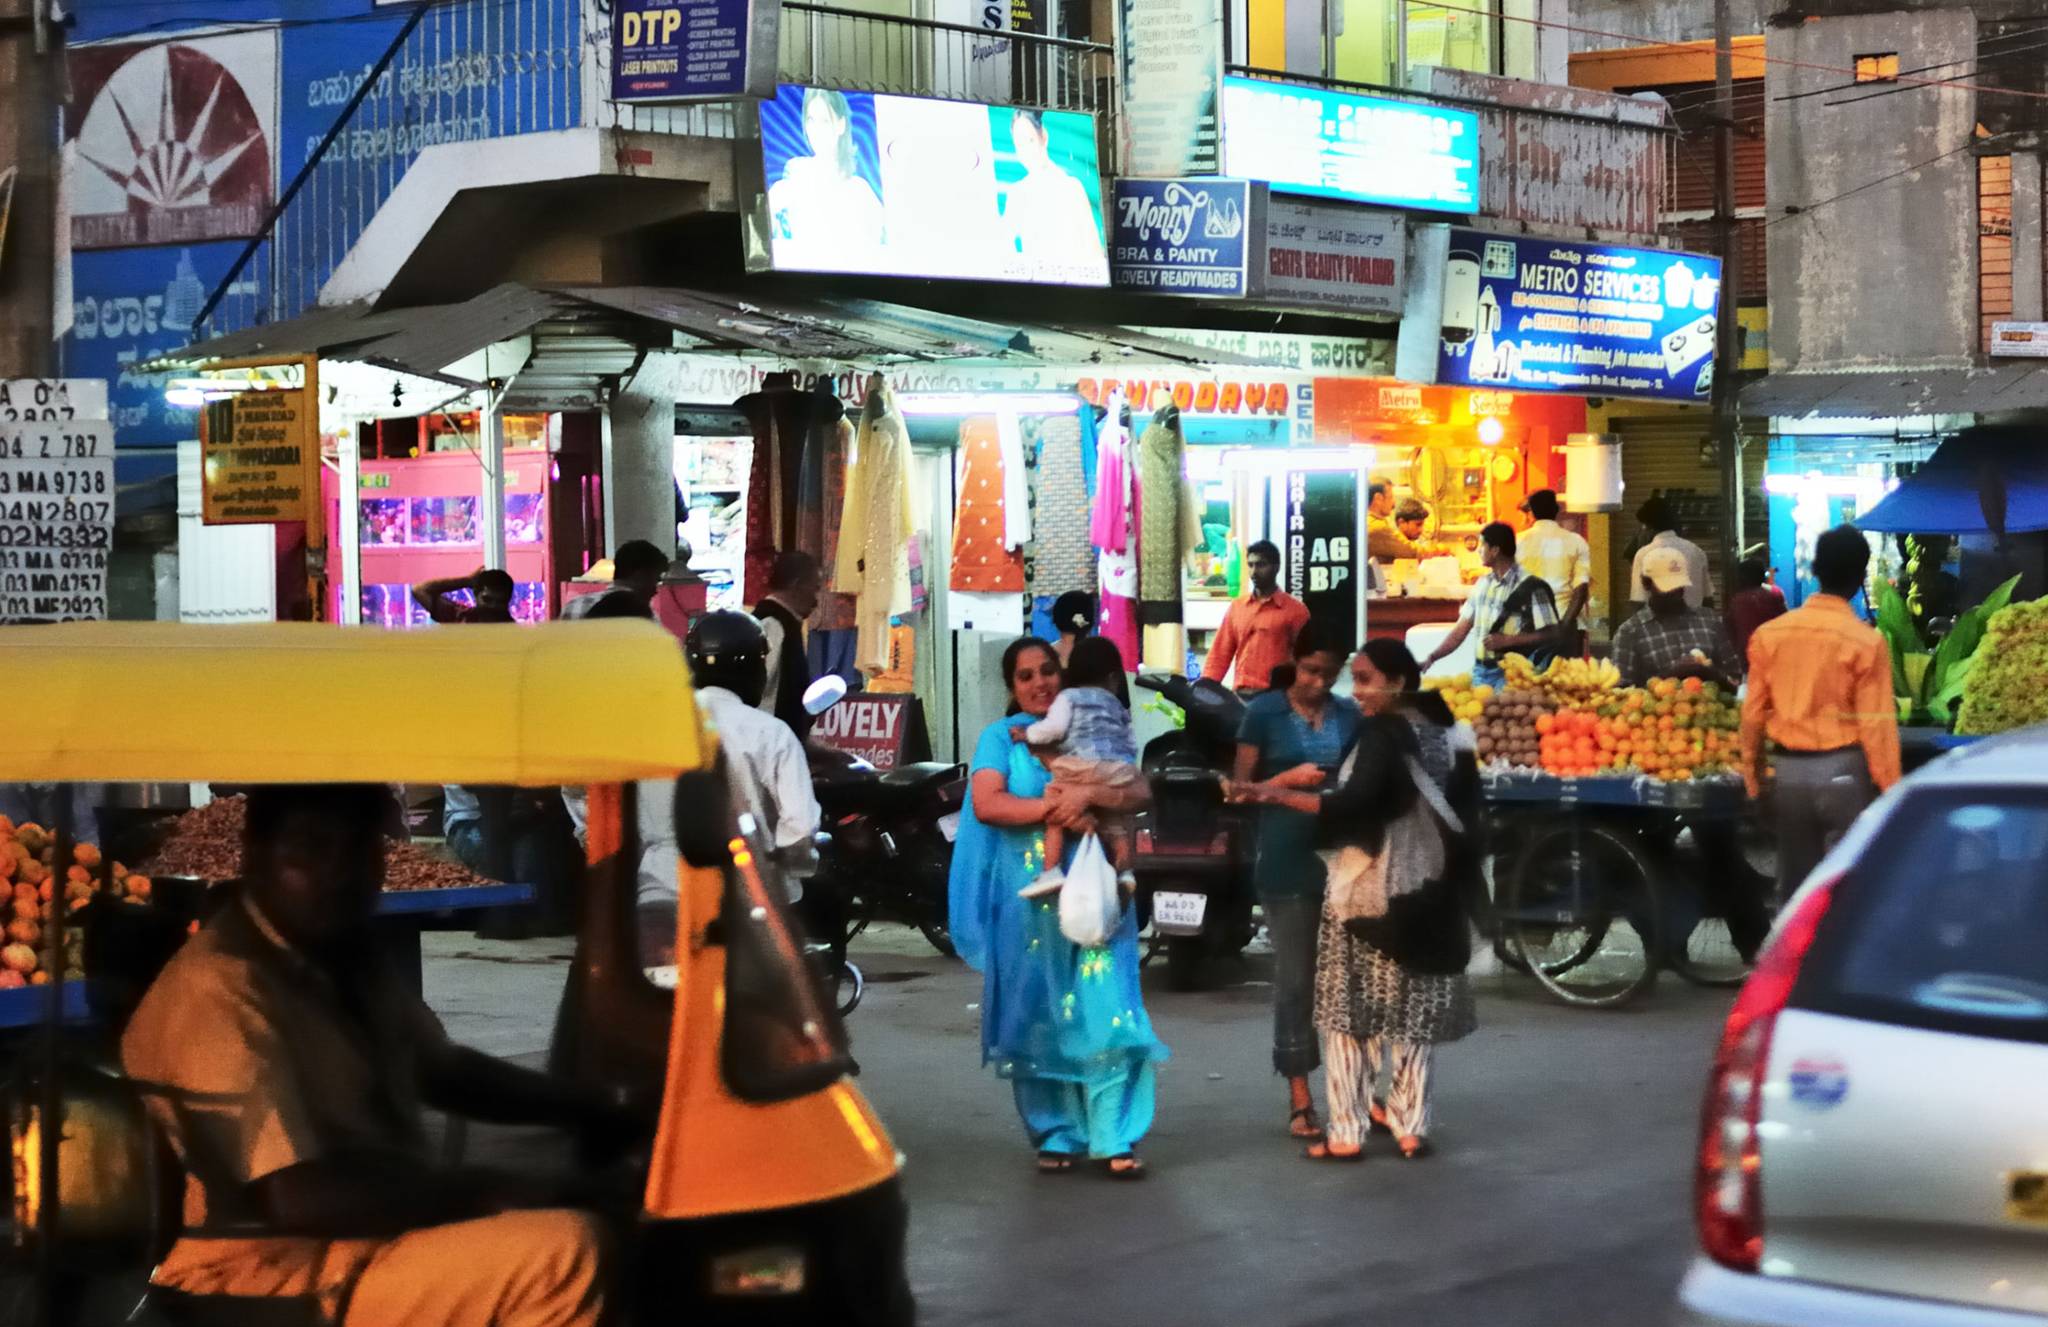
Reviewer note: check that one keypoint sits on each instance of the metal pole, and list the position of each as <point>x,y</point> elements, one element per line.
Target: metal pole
<point>492,419</point>
<point>1728,342</point>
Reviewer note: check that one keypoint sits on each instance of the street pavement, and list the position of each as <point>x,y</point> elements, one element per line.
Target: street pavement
<point>1559,1194</point>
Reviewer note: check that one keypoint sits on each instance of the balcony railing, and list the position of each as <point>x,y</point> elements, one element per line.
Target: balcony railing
<point>838,48</point>
<point>472,70</point>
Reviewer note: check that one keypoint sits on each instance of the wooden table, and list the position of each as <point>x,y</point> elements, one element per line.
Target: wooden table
<point>1390,618</point>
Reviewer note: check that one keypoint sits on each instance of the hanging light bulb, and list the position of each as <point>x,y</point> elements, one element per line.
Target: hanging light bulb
<point>1491,431</point>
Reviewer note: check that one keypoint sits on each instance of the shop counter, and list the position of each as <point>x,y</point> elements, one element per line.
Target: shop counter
<point>1390,618</point>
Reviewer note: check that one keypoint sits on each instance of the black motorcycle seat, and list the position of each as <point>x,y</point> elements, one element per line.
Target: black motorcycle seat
<point>920,776</point>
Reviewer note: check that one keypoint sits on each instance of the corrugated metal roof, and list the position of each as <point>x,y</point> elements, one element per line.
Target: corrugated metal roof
<point>433,337</point>
<point>427,340</point>
<point>1893,392</point>
<point>315,332</point>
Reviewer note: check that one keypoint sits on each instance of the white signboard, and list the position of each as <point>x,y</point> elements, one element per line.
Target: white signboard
<point>1329,256</point>
<point>52,400</point>
<point>56,501</point>
<point>1170,57</point>
<point>2019,340</point>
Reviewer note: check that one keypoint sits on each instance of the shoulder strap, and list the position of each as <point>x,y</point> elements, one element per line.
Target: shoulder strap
<point>1520,598</point>
<point>1433,796</point>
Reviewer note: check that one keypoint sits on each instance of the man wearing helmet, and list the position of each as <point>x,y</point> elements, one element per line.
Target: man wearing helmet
<point>729,661</point>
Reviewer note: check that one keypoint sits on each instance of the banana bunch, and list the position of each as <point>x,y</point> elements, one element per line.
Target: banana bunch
<point>1564,679</point>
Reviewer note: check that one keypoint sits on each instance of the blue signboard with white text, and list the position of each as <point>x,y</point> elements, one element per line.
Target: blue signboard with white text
<point>1539,315</point>
<point>1180,237</point>
<point>691,50</point>
<point>1352,147</point>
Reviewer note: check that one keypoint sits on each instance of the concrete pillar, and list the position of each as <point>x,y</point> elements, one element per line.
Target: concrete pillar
<point>641,454</point>
<point>2027,238</point>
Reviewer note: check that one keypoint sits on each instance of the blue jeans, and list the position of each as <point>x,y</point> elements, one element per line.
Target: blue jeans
<point>1292,925</point>
<point>1102,1117</point>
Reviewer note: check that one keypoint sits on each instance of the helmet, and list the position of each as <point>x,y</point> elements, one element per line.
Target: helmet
<point>728,649</point>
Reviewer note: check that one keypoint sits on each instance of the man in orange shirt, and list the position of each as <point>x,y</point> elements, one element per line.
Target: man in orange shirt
<point>1259,630</point>
<point>1820,689</point>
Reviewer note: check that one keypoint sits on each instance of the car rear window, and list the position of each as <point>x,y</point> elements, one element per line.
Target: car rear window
<point>1943,922</point>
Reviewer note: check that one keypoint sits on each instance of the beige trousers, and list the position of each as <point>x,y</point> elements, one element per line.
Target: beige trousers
<point>540,1268</point>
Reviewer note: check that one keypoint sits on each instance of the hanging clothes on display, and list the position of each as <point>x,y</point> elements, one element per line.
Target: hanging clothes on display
<point>994,518</point>
<point>1114,530</point>
<point>874,538</point>
<point>1170,528</point>
<point>1062,558</point>
<point>835,610</point>
<point>782,419</point>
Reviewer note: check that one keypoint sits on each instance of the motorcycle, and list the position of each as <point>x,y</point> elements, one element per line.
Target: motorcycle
<point>888,844</point>
<point>1191,852</point>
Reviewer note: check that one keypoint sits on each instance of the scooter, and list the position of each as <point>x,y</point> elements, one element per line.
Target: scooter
<point>889,853</point>
<point>1192,852</point>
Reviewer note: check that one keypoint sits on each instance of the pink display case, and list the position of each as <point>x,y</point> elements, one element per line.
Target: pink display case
<point>417,519</point>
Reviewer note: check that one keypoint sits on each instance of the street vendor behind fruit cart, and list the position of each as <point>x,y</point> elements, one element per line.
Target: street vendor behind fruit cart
<point>1667,637</point>
<point>288,1067</point>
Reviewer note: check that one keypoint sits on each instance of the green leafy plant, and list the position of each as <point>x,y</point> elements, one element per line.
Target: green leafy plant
<point>1927,682</point>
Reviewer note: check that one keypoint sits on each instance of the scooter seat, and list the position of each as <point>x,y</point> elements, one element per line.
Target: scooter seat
<point>919,777</point>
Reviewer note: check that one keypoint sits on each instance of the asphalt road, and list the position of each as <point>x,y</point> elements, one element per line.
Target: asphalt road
<point>1558,1195</point>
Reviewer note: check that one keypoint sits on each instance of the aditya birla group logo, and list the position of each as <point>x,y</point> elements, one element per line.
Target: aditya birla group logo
<point>177,143</point>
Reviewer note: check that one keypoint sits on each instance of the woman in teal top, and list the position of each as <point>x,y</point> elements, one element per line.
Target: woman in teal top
<point>1297,723</point>
<point>1065,1025</point>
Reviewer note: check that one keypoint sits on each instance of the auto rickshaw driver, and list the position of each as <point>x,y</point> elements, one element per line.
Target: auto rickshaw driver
<point>288,1065</point>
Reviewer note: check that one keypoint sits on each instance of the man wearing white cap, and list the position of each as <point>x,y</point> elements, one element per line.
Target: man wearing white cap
<point>1670,638</point>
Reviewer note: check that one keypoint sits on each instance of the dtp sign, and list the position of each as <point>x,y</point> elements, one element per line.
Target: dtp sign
<point>694,50</point>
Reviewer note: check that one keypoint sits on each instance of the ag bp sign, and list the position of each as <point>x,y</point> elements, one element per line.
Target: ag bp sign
<point>1351,147</point>
<point>1541,315</point>
<point>692,50</point>
<point>1181,237</point>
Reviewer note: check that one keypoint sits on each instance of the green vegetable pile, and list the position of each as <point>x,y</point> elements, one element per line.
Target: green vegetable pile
<point>2007,687</point>
<point>1928,678</point>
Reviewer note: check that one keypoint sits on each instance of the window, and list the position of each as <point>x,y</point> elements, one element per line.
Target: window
<point>1878,68</point>
<point>1942,923</point>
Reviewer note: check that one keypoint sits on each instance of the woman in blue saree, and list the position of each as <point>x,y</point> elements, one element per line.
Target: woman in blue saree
<point>1065,1025</point>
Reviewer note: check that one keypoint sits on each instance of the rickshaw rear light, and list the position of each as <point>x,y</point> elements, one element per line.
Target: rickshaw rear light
<point>758,1273</point>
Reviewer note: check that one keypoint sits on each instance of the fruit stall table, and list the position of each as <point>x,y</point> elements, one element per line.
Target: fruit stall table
<point>401,917</point>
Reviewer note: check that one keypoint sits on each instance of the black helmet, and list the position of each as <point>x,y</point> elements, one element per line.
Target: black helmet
<point>728,649</point>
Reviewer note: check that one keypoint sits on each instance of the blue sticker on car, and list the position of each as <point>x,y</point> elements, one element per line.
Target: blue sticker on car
<point>1819,1082</point>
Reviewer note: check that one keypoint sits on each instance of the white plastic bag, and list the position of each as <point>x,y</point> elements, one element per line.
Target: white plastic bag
<point>1090,906</point>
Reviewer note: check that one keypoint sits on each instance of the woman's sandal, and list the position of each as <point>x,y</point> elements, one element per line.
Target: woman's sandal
<point>1323,1151</point>
<point>1376,1111</point>
<point>1125,1167</point>
<point>1414,1149</point>
<point>1302,1124</point>
<point>1056,1163</point>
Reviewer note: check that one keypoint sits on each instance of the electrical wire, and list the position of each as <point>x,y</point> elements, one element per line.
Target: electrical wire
<point>1810,208</point>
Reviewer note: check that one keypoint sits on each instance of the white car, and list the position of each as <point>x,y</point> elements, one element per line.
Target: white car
<point>1874,1144</point>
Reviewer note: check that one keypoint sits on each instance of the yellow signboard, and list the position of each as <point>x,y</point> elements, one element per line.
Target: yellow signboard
<point>260,454</point>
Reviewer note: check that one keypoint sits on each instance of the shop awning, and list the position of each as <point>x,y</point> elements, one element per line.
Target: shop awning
<point>1999,468</point>
<point>583,336</point>
<point>1896,392</point>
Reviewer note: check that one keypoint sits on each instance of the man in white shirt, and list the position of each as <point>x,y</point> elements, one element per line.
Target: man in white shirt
<point>1559,556</point>
<point>1657,519</point>
<point>637,569</point>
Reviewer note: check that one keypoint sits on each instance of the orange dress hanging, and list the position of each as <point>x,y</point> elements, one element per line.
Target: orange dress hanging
<point>982,561</point>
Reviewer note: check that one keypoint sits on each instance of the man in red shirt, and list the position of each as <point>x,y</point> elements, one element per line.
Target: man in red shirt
<point>1754,603</point>
<point>1259,630</point>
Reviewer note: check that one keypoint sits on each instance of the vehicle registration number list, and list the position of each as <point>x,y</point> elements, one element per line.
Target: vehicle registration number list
<point>56,519</point>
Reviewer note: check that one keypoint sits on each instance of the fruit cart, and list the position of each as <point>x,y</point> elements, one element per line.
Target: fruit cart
<point>1610,812</point>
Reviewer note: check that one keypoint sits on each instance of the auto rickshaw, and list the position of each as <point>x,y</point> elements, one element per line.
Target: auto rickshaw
<point>771,1195</point>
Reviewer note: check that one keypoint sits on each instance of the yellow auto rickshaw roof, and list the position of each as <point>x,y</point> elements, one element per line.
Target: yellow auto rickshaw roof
<point>147,702</point>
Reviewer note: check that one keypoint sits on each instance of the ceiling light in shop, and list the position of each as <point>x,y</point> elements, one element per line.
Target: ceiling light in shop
<point>1491,431</point>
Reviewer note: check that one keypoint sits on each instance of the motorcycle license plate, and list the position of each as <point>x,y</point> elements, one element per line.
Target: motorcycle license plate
<point>949,825</point>
<point>1179,914</point>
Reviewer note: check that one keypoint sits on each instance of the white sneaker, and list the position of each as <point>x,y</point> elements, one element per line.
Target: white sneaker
<point>1050,883</point>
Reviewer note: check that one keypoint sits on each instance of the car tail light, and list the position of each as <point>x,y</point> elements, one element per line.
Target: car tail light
<point>1728,1189</point>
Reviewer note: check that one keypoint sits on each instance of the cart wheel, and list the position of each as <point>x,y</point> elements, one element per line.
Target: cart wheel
<point>1707,955</point>
<point>1581,916</point>
<point>849,987</point>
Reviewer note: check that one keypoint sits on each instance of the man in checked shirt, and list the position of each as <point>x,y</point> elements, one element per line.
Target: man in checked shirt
<point>1669,639</point>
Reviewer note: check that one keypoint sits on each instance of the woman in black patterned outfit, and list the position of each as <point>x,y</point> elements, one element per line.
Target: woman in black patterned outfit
<point>1390,989</point>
